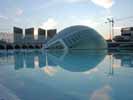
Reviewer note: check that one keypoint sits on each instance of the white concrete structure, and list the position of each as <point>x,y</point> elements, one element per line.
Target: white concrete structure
<point>29,35</point>
<point>41,35</point>
<point>51,33</point>
<point>77,37</point>
<point>18,35</point>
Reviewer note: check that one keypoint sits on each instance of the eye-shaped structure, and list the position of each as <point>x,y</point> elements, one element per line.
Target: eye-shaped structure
<point>77,61</point>
<point>77,37</point>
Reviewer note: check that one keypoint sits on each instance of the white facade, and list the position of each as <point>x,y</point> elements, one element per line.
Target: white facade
<point>29,35</point>
<point>77,37</point>
<point>7,37</point>
<point>41,35</point>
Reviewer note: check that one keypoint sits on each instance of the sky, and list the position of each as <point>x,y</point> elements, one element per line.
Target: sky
<point>60,14</point>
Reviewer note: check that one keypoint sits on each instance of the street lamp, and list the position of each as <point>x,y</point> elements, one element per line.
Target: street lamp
<point>111,25</point>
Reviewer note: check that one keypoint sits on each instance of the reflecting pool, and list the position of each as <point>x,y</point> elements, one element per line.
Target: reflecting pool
<point>75,75</point>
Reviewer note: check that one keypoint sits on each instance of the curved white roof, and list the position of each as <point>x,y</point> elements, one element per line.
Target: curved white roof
<point>78,37</point>
<point>67,31</point>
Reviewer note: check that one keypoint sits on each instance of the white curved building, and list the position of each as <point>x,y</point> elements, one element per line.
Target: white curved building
<point>77,37</point>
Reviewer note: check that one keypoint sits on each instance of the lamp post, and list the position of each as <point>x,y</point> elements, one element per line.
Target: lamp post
<point>111,25</point>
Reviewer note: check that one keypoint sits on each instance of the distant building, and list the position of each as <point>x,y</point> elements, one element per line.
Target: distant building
<point>7,37</point>
<point>128,31</point>
<point>126,35</point>
<point>51,33</point>
<point>29,35</point>
<point>41,35</point>
<point>120,38</point>
<point>18,35</point>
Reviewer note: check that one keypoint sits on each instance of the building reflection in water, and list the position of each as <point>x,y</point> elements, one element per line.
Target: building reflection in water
<point>6,59</point>
<point>72,61</point>
<point>27,59</point>
<point>19,61</point>
<point>77,61</point>
<point>126,60</point>
<point>42,59</point>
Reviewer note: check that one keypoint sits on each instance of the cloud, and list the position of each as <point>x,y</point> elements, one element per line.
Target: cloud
<point>104,3</point>
<point>75,1</point>
<point>88,22</point>
<point>70,1</point>
<point>94,70</point>
<point>102,93</point>
<point>75,20</point>
<point>3,17</point>
<point>19,12</point>
<point>50,70</point>
<point>49,24</point>
<point>117,27</point>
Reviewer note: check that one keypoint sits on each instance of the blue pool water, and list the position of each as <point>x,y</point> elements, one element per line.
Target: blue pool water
<point>75,75</point>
